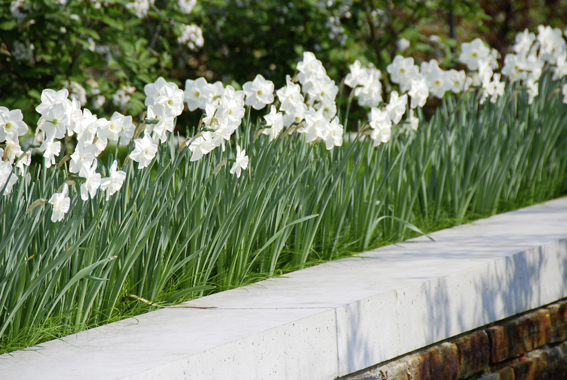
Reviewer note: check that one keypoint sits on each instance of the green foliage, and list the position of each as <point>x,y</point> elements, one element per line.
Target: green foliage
<point>182,229</point>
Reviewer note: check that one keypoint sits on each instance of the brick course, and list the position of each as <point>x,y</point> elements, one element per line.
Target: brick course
<point>532,346</point>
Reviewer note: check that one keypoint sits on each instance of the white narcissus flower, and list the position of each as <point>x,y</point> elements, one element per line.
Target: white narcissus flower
<point>259,92</point>
<point>216,91</point>
<point>144,152</point>
<point>83,155</point>
<point>50,98</point>
<point>201,146</point>
<point>12,150</point>
<point>334,137</point>
<point>92,181</point>
<point>7,178</point>
<point>290,96</point>
<point>171,99</point>
<point>561,67</point>
<point>154,90</point>
<point>412,123</point>
<point>165,122</point>
<point>524,41</point>
<point>323,90</point>
<point>315,124</point>
<point>419,93</point>
<point>460,81</point>
<point>493,88</point>
<point>533,90</point>
<point>310,69</point>
<point>197,93</point>
<point>515,67</point>
<point>58,119</point>
<point>50,149</point>
<point>114,182</point>
<point>397,106</point>
<point>370,94</point>
<point>357,76</point>
<point>438,82</point>
<point>61,204</point>
<point>12,124</point>
<point>402,71</point>
<point>274,123</point>
<point>381,126</point>
<point>296,115</point>
<point>241,162</point>
<point>473,53</point>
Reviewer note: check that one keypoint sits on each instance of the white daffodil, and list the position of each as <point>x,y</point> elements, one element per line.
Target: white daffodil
<point>290,95</point>
<point>241,162</point>
<point>12,124</point>
<point>524,41</point>
<point>259,92</point>
<point>334,135</point>
<point>12,150</point>
<point>50,149</point>
<point>50,98</point>
<point>57,120</point>
<point>515,67</point>
<point>61,204</point>
<point>7,178</point>
<point>310,68</point>
<point>357,75</point>
<point>370,92</point>
<point>197,93</point>
<point>397,106</point>
<point>418,92</point>
<point>473,53</point>
<point>274,123</point>
<point>144,151</point>
<point>216,92</point>
<point>201,146</point>
<point>402,71</point>
<point>114,182</point>
<point>83,155</point>
<point>560,69</point>
<point>533,90</point>
<point>324,90</point>
<point>381,126</point>
<point>412,123</point>
<point>171,98</point>
<point>295,115</point>
<point>460,81</point>
<point>92,181</point>
<point>438,81</point>
<point>314,126</point>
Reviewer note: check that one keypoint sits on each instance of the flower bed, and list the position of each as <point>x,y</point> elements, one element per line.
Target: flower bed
<point>176,222</point>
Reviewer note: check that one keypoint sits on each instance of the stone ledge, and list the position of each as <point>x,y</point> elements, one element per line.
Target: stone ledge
<point>336,318</point>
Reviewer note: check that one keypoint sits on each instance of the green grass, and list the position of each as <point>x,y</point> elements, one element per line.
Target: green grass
<point>177,230</point>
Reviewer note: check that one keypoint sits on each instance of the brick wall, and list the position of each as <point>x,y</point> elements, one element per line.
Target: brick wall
<point>531,346</point>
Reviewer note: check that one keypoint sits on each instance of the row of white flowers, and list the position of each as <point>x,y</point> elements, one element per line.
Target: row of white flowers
<point>305,105</point>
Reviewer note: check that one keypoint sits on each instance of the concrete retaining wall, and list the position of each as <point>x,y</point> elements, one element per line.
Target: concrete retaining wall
<point>334,319</point>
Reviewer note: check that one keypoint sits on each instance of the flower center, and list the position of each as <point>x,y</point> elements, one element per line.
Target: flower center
<point>259,92</point>
<point>170,102</point>
<point>112,126</point>
<point>8,125</point>
<point>402,70</point>
<point>197,94</point>
<point>474,54</point>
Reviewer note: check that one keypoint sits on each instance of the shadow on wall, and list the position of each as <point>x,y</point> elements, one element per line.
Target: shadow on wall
<point>456,284</point>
